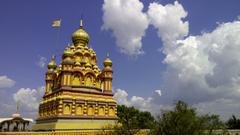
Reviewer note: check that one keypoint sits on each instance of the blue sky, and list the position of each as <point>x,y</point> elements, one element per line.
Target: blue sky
<point>26,38</point>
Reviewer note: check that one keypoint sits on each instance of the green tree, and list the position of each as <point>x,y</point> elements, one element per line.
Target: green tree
<point>131,121</point>
<point>233,123</point>
<point>184,120</point>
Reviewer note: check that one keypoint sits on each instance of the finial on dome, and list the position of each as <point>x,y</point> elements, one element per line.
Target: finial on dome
<point>81,23</point>
<point>53,57</point>
<point>80,37</point>
<point>107,62</point>
<point>52,64</point>
<point>68,45</point>
<point>16,114</point>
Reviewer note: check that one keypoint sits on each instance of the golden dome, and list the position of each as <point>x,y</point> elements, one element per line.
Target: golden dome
<point>16,115</point>
<point>67,52</point>
<point>52,64</point>
<point>80,36</point>
<point>107,62</point>
<point>95,67</point>
<point>88,65</point>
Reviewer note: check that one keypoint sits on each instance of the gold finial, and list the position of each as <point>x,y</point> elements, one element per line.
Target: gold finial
<point>53,57</point>
<point>107,62</point>
<point>81,23</point>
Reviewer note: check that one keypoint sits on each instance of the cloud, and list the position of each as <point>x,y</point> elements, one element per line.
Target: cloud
<point>128,23</point>
<point>205,65</point>
<point>168,20</point>
<point>223,107</point>
<point>6,82</point>
<point>159,92</point>
<point>29,98</point>
<point>144,104</point>
<point>203,70</point>
<point>41,61</point>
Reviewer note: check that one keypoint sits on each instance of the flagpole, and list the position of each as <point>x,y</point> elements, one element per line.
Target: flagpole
<point>58,37</point>
<point>57,24</point>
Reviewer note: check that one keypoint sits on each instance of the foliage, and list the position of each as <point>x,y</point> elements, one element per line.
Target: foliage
<point>233,123</point>
<point>184,120</point>
<point>131,120</point>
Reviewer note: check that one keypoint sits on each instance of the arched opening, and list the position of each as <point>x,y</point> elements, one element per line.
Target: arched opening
<point>67,109</point>
<point>90,110</point>
<point>101,111</point>
<point>79,110</point>
<point>76,79</point>
<point>111,112</point>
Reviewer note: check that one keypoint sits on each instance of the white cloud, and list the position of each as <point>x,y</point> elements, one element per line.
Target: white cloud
<point>6,82</point>
<point>159,92</point>
<point>168,21</point>
<point>128,23</point>
<point>207,65</point>
<point>144,104</point>
<point>121,97</point>
<point>203,70</point>
<point>29,98</point>
<point>223,107</point>
<point>41,61</point>
<point>206,68</point>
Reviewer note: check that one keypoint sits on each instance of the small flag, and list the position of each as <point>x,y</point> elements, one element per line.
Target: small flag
<point>56,23</point>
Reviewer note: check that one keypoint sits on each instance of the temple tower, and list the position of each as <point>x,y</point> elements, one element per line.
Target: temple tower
<point>78,94</point>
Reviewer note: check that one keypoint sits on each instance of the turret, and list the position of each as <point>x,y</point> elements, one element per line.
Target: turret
<point>67,65</point>
<point>49,78</point>
<point>107,75</point>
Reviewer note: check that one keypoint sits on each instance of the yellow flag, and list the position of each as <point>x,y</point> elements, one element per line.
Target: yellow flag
<point>56,23</point>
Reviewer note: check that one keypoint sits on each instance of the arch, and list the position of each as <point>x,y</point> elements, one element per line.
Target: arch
<point>101,111</point>
<point>90,110</point>
<point>79,110</point>
<point>87,54</point>
<point>78,53</point>
<point>87,57</point>
<point>91,73</point>
<point>89,79</point>
<point>76,79</point>
<point>111,111</point>
<point>67,109</point>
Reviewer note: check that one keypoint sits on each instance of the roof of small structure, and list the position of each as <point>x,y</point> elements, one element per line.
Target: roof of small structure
<point>15,119</point>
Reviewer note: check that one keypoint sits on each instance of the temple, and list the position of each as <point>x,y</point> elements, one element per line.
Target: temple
<point>78,94</point>
<point>16,123</point>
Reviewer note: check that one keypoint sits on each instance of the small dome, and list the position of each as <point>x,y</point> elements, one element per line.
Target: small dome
<point>95,67</point>
<point>88,65</point>
<point>67,52</point>
<point>72,47</point>
<point>16,115</point>
<point>107,62</point>
<point>52,64</point>
<point>80,36</point>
